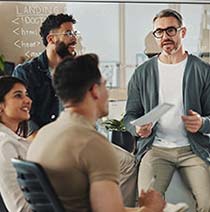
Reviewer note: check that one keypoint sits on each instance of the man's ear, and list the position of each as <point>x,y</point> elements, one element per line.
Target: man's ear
<point>50,38</point>
<point>184,31</point>
<point>95,91</point>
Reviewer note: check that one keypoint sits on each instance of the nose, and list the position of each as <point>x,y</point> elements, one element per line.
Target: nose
<point>74,37</point>
<point>28,100</point>
<point>165,35</point>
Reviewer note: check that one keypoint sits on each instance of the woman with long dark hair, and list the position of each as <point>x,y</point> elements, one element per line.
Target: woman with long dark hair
<point>15,106</point>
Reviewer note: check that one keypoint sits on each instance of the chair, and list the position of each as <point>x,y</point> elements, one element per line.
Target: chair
<point>2,205</point>
<point>36,187</point>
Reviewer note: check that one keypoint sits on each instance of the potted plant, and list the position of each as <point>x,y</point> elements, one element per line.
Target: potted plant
<point>119,135</point>
<point>2,65</point>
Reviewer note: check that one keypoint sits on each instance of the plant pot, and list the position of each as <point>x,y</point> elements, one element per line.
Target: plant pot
<point>123,139</point>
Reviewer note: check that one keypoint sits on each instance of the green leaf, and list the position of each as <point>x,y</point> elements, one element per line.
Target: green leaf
<point>1,63</point>
<point>114,124</point>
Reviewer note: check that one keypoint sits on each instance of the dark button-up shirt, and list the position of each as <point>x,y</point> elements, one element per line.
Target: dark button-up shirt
<point>45,105</point>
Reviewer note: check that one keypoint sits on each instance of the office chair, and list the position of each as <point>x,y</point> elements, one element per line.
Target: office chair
<point>36,187</point>
<point>2,205</point>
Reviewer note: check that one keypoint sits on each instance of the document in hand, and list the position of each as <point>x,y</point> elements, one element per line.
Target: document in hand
<point>153,115</point>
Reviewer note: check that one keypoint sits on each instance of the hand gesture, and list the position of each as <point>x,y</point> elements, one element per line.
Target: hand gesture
<point>193,121</point>
<point>152,200</point>
<point>144,131</point>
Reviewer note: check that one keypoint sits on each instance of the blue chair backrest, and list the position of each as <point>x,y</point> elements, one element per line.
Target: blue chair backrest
<point>36,187</point>
<point>2,205</point>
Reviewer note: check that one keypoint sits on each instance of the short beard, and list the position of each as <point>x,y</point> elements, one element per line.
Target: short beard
<point>62,50</point>
<point>172,52</point>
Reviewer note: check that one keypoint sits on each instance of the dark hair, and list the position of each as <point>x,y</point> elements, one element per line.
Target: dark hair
<point>73,77</point>
<point>54,22</point>
<point>169,13</point>
<point>6,84</point>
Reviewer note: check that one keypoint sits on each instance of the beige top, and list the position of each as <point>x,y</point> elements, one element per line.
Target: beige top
<point>11,145</point>
<point>74,155</point>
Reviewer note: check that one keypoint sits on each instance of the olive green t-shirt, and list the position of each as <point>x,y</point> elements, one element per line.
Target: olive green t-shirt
<point>74,155</point>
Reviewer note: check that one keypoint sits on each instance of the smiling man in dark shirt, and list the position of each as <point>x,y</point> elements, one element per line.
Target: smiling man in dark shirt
<point>60,38</point>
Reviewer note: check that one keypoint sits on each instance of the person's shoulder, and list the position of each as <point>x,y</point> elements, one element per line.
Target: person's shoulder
<point>25,69</point>
<point>90,138</point>
<point>6,134</point>
<point>144,69</point>
<point>8,149</point>
<point>33,64</point>
<point>100,143</point>
<point>98,136</point>
<point>148,64</point>
<point>193,59</point>
<point>27,65</point>
<point>4,137</point>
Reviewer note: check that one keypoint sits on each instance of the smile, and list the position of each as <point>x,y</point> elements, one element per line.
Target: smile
<point>25,109</point>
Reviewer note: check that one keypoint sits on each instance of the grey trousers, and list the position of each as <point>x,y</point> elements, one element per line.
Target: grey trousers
<point>162,162</point>
<point>128,176</point>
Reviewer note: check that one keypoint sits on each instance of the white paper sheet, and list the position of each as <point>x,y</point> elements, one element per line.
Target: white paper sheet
<point>153,115</point>
<point>179,207</point>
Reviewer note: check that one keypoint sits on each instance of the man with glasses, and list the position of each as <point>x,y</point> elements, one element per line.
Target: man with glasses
<point>180,139</point>
<point>60,38</point>
<point>170,31</point>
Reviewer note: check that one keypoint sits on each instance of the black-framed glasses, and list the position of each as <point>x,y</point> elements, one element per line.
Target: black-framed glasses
<point>170,31</point>
<point>68,33</point>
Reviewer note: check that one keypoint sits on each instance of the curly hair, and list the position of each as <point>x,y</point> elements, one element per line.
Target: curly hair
<point>54,22</point>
